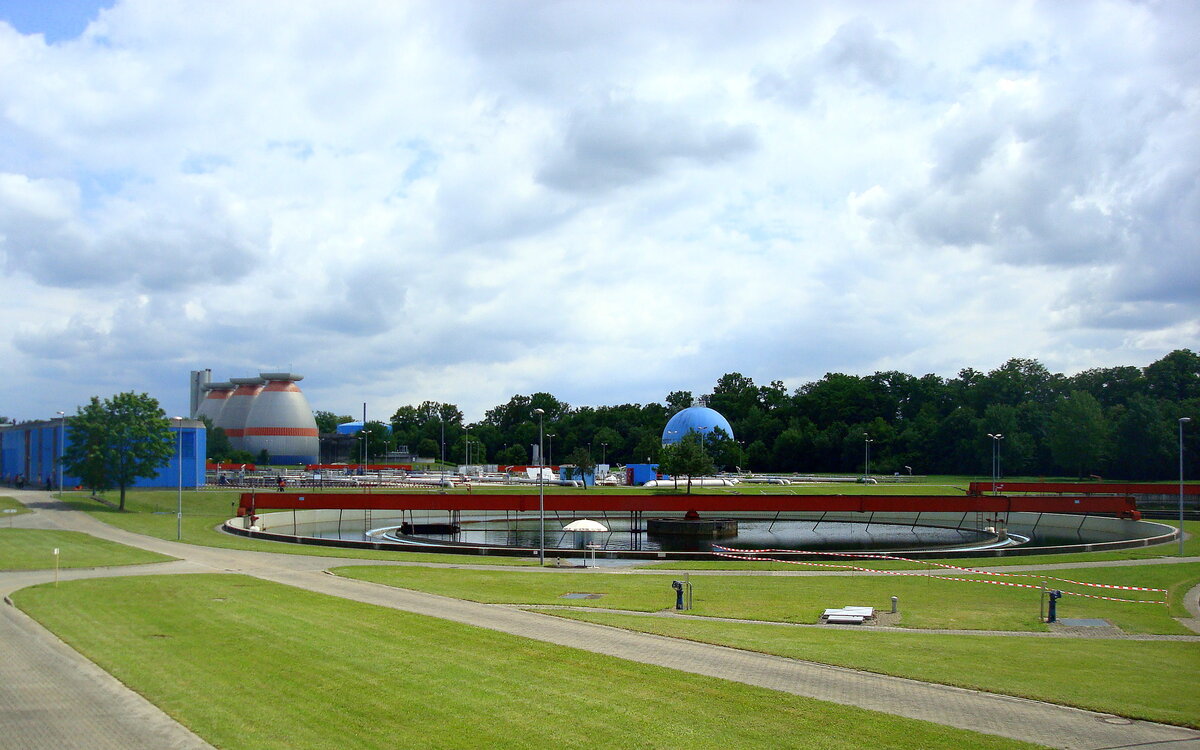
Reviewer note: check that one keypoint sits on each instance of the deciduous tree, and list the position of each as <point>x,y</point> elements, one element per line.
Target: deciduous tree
<point>117,441</point>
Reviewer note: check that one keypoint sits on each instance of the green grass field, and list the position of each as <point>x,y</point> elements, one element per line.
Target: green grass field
<point>10,507</point>
<point>925,602</point>
<point>152,512</point>
<point>1129,678</point>
<point>298,669</point>
<point>33,549</point>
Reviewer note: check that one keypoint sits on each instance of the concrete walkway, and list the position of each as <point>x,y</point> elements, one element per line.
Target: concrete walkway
<point>1032,721</point>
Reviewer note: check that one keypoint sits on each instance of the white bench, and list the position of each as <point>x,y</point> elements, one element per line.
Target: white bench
<point>848,615</point>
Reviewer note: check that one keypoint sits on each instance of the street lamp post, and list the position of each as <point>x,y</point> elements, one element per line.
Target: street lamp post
<point>541,491</point>
<point>1181,421</point>
<point>550,450</point>
<point>179,462</point>
<point>62,447</point>
<point>867,456</point>
<point>604,453</point>
<point>996,438</point>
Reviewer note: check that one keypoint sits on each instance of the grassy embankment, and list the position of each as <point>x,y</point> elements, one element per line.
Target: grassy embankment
<point>33,549</point>
<point>152,512</point>
<point>10,507</point>
<point>322,672</point>
<point>1130,678</point>
<point>926,602</point>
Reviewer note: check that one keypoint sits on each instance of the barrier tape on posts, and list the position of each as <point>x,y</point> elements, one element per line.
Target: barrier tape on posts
<point>956,567</point>
<point>741,555</point>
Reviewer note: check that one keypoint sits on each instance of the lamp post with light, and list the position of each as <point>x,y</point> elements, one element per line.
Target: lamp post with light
<point>179,461</point>
<point>541,413</point>
<point>866,456</point>
<point>996,438</point>
<point>550,450</point>
<point>1181,421</point>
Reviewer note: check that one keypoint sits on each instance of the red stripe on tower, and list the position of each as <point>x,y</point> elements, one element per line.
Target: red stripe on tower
<point>283,431</point>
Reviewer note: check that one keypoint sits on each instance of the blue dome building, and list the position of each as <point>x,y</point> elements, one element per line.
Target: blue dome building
<point>694,419</point>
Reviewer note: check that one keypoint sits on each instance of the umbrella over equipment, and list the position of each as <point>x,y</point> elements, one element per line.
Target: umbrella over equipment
<point>585,524</point>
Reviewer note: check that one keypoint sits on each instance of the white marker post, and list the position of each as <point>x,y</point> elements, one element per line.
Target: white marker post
<point>56,567</point>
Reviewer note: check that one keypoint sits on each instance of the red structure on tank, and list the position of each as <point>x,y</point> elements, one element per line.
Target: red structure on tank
<point>1122,506</point>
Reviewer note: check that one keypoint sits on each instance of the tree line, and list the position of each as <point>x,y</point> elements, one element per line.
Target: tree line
<point>1118,422</point>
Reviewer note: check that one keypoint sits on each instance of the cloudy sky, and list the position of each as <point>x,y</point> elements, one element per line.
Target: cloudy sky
<point>460,201</point>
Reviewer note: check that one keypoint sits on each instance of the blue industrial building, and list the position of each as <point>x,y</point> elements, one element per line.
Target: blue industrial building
<point>700,419</point>
<point>29,454</point>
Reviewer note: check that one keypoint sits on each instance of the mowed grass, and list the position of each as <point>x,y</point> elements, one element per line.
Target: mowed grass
<point>10,507</point>
<point>251,664</point>
<point>33,549</point>
<point>926,602</point>
<point>1137,679</point>
<point>152,512</point>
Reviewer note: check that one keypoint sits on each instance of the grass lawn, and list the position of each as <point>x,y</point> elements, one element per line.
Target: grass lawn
<point>312,671</point>
<point>152,512</point>
<point>924,602</point>
<point>1129,678</point>
<point>11,507</point>
<point>33,549</point>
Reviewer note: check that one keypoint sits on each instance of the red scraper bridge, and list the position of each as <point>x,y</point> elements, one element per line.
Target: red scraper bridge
<point>1082,502</point>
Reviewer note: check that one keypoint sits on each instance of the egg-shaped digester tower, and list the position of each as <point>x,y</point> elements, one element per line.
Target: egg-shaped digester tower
<point>699,419</point>
<point>281,422</point>
<point>237,409</point>
<point>215,398</point>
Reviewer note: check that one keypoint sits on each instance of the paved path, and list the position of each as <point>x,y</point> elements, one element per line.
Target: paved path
<point>1017,718</point>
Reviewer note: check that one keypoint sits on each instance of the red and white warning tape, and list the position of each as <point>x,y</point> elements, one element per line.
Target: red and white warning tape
<point>719,551</point>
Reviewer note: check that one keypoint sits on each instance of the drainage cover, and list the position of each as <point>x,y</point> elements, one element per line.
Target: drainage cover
<point>580,596</point>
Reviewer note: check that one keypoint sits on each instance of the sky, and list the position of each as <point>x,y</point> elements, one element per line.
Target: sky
<point>462,201</point>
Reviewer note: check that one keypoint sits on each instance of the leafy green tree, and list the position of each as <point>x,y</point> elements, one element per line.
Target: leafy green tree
<point>429,447</point>
<point>216,441</point>
<point>378,439</point>
<point>678,401</point>
<point>758,456</point>
<point>686,458</point>
<point>579,464</point>
<point>1143,440</point>
<point>327,421</point>
<point>611,441</point>
<point>1017,449</point>
<point>1111,385</point>
<point>513,455</point>
<point>1176,376</point>
<point>726,454</point>
<point>117,441</point>
<point>1077,433</point>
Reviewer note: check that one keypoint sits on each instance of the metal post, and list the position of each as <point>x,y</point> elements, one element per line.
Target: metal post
<point>179,461</point>
<point>541,492</point>
<point>62,447</point>
<point>996,438</point>
<point>1181,421</point>
<point>550,449</point>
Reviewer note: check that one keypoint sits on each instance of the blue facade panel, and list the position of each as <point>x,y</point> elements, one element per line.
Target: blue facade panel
<point>30,451</point>
<point>639,474</point>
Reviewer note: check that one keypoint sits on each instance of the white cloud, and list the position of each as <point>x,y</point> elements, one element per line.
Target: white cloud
<point>466,200</point>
